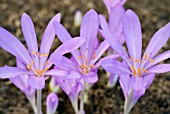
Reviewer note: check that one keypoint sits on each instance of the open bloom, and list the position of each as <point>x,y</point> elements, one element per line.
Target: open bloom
<point>112,3</point>
<point>84,60</point>
<point>136,73</point>
<point>35,63</point>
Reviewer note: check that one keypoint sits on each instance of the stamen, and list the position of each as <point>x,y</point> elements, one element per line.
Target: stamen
<point>81,56</point>
<point>145,56</point>
<point>151,60</point>
<point>43,55</point>
<point>38,72</point>
<point>34,53</point>
<point>134,70</point>
<point>137,61</point>
<point>144,70</point>
<point>131,59</point>
<point>47,62</point>
<point>91,66</point>
<point>139,72</point>
<point>94,55</point>
<point>29,67</point>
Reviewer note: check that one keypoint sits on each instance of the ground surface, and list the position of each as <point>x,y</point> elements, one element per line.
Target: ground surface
<point>153,15</point>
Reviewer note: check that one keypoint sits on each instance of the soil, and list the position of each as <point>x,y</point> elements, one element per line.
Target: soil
<point>153,14</point>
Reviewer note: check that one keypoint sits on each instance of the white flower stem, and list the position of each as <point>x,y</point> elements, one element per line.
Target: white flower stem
<point>82,98</point>
<point>75,105</point>
<point>127,106</point>
<point>39,96</point>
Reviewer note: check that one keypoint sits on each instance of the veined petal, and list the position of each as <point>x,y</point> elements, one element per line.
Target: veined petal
<point>36,82</point>
<point>158,59</point>
<point>115,66</point>
<point>10,72</point>
<point>70,45</point>
<point>158,40</point>
<point>133,35</point>
<point>103,23</point>
<point>115,19</point>
<point>88,30</point>
<point>64,36</point>
<point>100,50</point>
<point>56,72</point>
<point>117,47</point>
<point>16,47</point>
<point>113,56</point>
<point>161,68</point>
<point>20,64</point>
<point>90,78</point>
<point>124,81</point>
<point>48,35</point>
<point>75,91</point>
<point>29,33</point>
<point>148,79</point>
<point>62,61</point>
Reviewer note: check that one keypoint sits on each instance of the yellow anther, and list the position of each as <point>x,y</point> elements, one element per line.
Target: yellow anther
<point>94,55</point>
<point>131,59</point>
<point>47,62</point>
<point>43,55</point>
<point>145,56</point>
<point>137,61</point>
<point>29,67</point>
<point>91,65</point>
<point>134,70</point>
<point>34,53</point>
<point>151,60</point>
<point>139,72</point>
<point>144,70</point>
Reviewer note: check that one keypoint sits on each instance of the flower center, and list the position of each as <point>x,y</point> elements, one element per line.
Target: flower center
<point>37,71</point>
<point>139,71</point>
<point>86,67</point>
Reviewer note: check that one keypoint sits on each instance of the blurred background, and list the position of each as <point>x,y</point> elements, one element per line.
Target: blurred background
<point>153,15</point>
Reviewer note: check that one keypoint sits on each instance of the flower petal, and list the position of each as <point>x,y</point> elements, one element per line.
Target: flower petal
<point>103,23</point>
<point>100,50</point>
<point>115,66</point>
<point>56,72</point>
<point>10,72</point>
<point>117,47</point>
<point>29,33</point>
<point>16,47</point>
<point>90,78</point>
<point>158,40</point>
<point>70,45</point>
<point>133,35</point>
<point>36,82</point>
<point>62,62</point>
<point>48,36</point>
<point>64,36</point>
<point>88,30</point>
<point>161,68</point>
<point>148,79</point>
<point>124,81</point>
<point>158,59</point>
<point>115,19</point>
<point>112,80</point>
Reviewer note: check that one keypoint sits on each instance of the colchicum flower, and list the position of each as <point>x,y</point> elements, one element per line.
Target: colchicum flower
<point>114,26</point>
<point>83,61</point>
<point>136,73</point>
<point>35,63</point>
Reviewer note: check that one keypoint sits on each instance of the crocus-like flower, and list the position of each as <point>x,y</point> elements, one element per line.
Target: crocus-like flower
<point>114,27</point>
<point>136,73</point>
<point>112,3</point>
<point>51,103</point>
<point>34,60</point>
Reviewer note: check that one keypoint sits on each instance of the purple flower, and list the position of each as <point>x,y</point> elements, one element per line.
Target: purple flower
<point>84,60</point>
<point>35,63</point>
<point>51,103</point>
<point>136,73</point>
<point>112,3</point>
<point>114,27</point>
